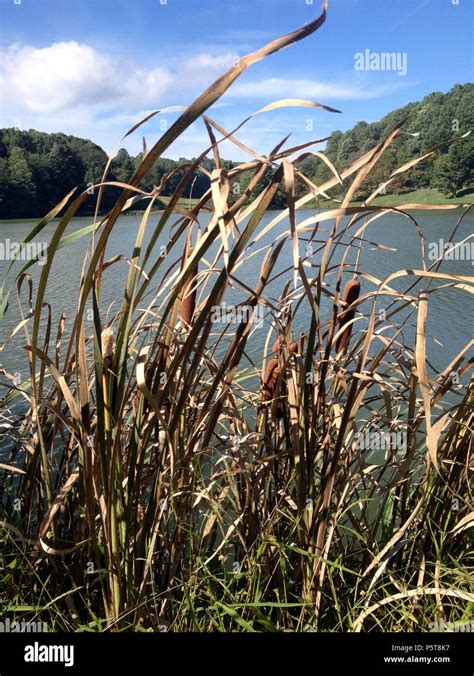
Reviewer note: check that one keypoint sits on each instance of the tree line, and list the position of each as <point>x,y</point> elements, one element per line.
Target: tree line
<point>38,169</point>
<point>435,119</point>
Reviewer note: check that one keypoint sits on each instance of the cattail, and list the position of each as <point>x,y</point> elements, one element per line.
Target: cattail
<point>350,295</point>
<point>107,347</point>
<point>188,298</point>
<point>277,345</point>
<point>270,380</point>
<point>107,344</point>
<point>273,373</point>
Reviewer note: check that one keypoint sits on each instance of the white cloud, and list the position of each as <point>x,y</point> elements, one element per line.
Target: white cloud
<point>74,88</point>
<point>68,74</point>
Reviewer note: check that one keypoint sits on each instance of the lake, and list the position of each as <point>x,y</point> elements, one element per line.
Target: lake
<point>451,310</point>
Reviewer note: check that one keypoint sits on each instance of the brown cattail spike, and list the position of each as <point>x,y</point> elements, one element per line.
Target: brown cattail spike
<point>278,345</point>
<point>273,373</point>
<point>350,296</point>
<point>270,381</point>
<point>188,298</point>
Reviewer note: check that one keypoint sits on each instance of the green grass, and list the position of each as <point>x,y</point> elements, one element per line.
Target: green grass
<point>430,196</point>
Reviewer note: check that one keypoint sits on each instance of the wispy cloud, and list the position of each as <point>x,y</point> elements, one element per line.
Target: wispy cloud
<point>408,16</point>
<point>248,35</point>
<point>309,89</point>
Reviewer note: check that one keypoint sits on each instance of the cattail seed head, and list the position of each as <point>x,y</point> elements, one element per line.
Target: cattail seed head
<point>278,345</point>
<point>107,343</point>
<point>350,295</point>
<point>270,380</point>
<point>273,372</point>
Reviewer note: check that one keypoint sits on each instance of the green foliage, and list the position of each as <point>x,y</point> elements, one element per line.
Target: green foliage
<point>21,186</point>
<point>123,165</point>
<point>38,169</point>
<point>454,170</point>
<point>279,199</point>
<point>437,118</point>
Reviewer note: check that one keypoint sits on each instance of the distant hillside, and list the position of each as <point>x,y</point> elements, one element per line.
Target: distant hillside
<point>38,169</point>
<point>435,119</point>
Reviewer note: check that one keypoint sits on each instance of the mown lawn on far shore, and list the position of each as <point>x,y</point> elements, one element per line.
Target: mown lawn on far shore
<point>430,196</point>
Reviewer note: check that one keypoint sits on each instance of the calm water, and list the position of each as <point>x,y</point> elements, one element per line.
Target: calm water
<point>451,311</point>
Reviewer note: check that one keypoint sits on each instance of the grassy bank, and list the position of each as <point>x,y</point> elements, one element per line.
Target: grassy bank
<point>147,487</point>
<point>425,197</point>
<point>430,196</point>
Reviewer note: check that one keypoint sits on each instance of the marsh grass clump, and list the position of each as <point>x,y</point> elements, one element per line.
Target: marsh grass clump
<point>158,478</point>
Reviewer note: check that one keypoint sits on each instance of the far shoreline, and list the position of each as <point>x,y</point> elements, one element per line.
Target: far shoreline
<point>430,197</point>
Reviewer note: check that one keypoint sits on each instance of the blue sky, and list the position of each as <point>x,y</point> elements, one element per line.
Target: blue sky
<point>94,67</point>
